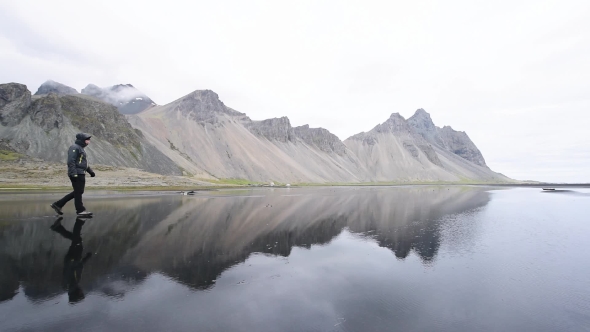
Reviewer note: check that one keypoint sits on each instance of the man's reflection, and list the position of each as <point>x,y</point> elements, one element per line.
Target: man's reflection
<point>73,261</point>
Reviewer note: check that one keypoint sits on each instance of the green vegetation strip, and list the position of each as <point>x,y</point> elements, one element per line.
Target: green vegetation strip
<point>237,182</point>
<point>6,155</point>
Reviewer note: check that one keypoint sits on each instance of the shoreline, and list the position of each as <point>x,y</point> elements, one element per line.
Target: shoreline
<point>38,175</point>
<point>27,187</point>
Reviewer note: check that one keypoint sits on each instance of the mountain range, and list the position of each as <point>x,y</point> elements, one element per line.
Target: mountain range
<point>198,135</point>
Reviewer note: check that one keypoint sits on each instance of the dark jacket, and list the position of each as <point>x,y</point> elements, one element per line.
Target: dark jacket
<point>77,158</point>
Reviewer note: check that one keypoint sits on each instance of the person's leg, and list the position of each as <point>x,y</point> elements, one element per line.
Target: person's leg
<point>63,232</point>
<point>78,191</point>
<point>62,202</point>
<point>77,230</point>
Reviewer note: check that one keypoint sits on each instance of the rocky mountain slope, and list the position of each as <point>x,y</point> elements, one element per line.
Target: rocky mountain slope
<point>199,129</point>
<point>125,97</point>
<point>44,126</point>
<point>198,135</point>
<point>446,138</point>
<point>398,150</point>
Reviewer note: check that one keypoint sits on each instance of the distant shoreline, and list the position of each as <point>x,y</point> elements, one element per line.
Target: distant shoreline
<point>28,187</point>
<point>546,185</point>
<point>33,174</point>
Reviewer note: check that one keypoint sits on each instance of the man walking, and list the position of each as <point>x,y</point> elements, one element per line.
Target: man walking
<point>77,168</point>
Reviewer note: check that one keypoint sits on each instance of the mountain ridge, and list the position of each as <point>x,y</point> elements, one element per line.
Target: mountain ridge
<point>457,142</point>
<point>201,136</point>
<point>55,87</point>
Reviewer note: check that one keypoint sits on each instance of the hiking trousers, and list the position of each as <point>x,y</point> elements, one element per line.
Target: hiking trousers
<point>78,183</point>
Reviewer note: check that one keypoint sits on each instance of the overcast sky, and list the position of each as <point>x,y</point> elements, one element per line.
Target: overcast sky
<point>514,75</point>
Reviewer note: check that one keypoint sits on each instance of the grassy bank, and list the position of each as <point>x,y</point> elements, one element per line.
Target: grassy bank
<point>231,184</point>
<point>6,155</point>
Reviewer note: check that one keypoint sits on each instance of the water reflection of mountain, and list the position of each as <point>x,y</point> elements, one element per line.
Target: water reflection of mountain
<point>201,268</point>
<point>194,239</point>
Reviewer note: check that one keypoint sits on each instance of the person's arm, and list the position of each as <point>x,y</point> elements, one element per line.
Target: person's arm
<point>73,155</point>
<point>90,171</point>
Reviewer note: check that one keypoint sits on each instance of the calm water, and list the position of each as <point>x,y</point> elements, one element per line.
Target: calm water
<point>320,259</point>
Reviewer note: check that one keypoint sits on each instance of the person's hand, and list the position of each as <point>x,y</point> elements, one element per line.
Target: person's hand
<point>92,174</point>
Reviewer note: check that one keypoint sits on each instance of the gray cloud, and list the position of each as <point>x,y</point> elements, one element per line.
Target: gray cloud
<point>34,43</point>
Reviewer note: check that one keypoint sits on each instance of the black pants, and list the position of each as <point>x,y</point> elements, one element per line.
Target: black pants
<point>73,261</point>
<point>74,236</point>
<point>78,183</point>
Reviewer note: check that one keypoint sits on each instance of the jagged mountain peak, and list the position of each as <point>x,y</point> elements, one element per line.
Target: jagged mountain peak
<point>203,106</point>
<point>421,112</point>
<point>91,86</point>
<point>92,90</point>
<point>322,138</point>
<point>119,87</point>
<point>55,87</point>
<point>205,92</point>
<point>15,99</point>
<point>396,119</point>
<point>395,123</point>
<point>118,91</point>
<point>274,129</point>
<point>127,98</point>
<point>200,101</point>
<point>396,116</point>
<point>422,122</point>
<point>446,138</point>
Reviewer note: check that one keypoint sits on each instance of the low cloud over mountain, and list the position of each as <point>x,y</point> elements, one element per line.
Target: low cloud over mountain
<point>125,97</point>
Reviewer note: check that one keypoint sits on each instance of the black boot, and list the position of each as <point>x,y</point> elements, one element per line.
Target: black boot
<point>56,223</point>
<point>56,208</point>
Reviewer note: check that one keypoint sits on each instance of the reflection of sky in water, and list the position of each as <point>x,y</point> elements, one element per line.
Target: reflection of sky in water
<point>470,260</point>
